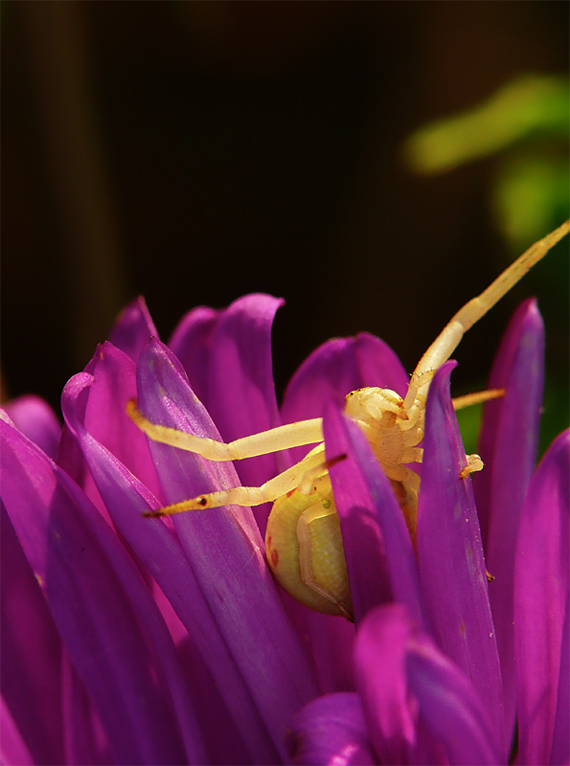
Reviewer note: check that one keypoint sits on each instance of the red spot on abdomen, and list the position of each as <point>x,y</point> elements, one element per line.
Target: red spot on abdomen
<point>274,557</point>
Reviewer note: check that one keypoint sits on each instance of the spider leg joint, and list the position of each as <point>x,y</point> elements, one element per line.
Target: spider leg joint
<point>474,463</point>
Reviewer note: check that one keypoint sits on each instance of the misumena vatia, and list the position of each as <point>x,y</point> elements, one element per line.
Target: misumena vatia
<point>303,540</point>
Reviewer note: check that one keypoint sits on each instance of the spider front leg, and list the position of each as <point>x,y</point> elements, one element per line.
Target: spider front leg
<point>450,337</point>
<point>247,496</point>
<point>275,440</point>
<point>303,541</point>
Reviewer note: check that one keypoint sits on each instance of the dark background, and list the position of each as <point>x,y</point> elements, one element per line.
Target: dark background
<point>193,152</point>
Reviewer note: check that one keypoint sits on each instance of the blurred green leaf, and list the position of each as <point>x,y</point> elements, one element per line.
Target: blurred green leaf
<point>531,195</point>
<point>532,105</point>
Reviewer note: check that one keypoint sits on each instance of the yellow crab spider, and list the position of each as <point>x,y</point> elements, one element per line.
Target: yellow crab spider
<point>303,540</point>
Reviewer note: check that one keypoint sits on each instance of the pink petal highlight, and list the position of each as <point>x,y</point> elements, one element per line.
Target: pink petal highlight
<point>508,446</point>
<point>331,731</point>
<point>450,555</point>
<point>133,328</point>
<point>450,707</point>
<point>542,583</point>
<point>36,419</point>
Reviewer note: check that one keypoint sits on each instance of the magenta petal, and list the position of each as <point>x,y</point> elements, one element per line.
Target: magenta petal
<point>333,370</point>
<point>95,595</point>
<point>133,328</point>
<point>560,747</point>
<point>379,554</point>
<point>191,342</point>
<point>105,418</point>
<point>228,358</point>
<point>517,368</point>
<point>508,446</point>
<point>450,707</point>
<point>224,548</point>
<point>85,739</point>
<point>30,655</point>
<point>450,556</point>
<point>114,382</point>
<point>391,712</point>
<point>159,550</point>
<point>242,397</point>
<point>541,604</point>
<point>330,730</point>
<point>330,641</point>
<point>13,748</point>
<point>36,419</point>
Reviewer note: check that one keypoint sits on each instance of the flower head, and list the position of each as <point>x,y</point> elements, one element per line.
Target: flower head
<point>128,639</point>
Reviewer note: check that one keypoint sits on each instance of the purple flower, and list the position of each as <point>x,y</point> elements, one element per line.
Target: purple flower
<point>136,640</point>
